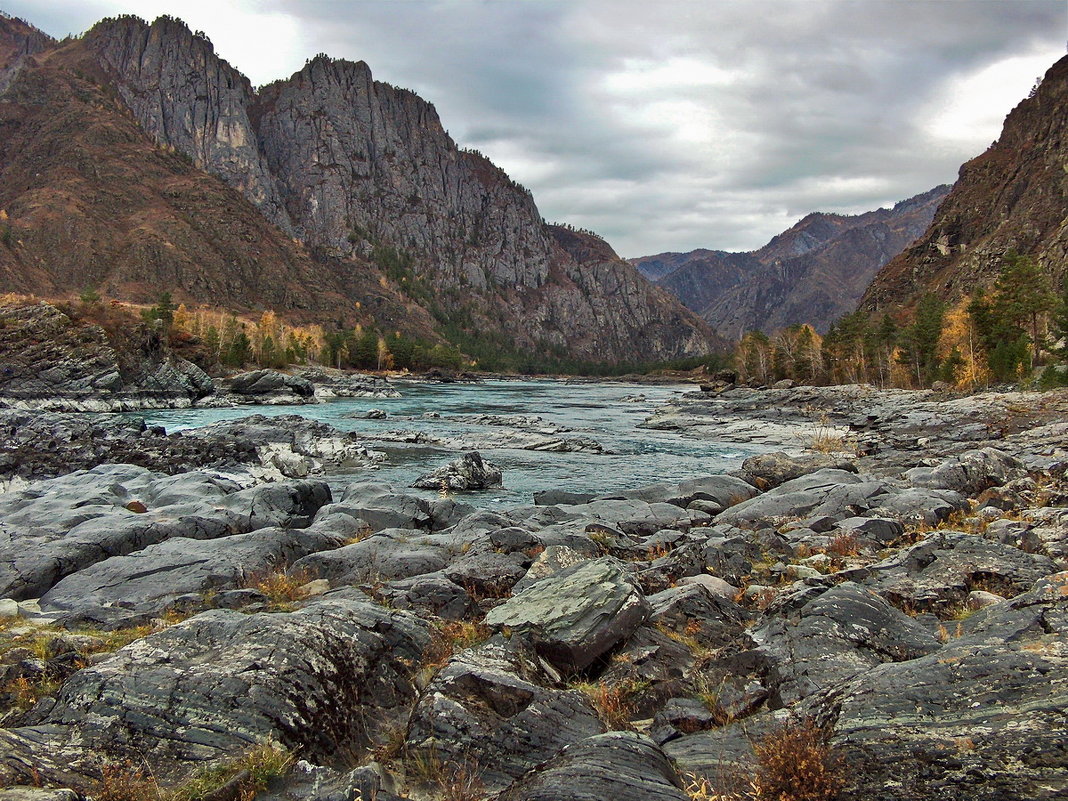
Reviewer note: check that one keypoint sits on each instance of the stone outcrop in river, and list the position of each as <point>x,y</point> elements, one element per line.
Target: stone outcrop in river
<point>905,605</point>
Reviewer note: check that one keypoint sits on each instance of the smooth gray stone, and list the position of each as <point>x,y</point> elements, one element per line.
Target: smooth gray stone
<point>844,632</point>
<point>323,679</point>
<point>577,615</point>
<point>940,571</point>
<point>982,718</point>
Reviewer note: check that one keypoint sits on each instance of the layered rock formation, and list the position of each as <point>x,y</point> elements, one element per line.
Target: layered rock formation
<point>1012,198</point>
<point>813,273</point>
<point>385,209</point>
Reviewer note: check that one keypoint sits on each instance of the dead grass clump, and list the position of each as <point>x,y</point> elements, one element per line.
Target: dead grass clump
<point>845,543</point>
<point>241,779</point>
<point>614,703</point>
<point>452,636</point>
<point>448,781</point>
<point>122,781</point>
<point>795,762</point>
<point>282,589</point>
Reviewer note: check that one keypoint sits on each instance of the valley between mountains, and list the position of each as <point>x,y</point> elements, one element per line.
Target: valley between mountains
<point>313,486</point>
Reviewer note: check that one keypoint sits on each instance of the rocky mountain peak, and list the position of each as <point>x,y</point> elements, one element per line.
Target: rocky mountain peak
<point>364,177</point>
<point>1013,197</point>
<point>814,272</point>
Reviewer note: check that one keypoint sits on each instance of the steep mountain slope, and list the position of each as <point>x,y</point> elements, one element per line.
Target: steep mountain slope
<point>812,273</point>
<point>1013,197</point>
<point>90,200</point>
<point>357,170</point>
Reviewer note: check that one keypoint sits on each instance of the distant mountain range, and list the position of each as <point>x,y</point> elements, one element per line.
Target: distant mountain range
<point>814,273</point>
<point>134,160</point>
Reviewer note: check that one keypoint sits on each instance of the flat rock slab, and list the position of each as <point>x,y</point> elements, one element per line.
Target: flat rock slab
<point>146,580</point>
<point>57,527</point>
<point>844,632</point>
<point>322,680</point>
<point>939,572</point>
<point>620,766</point>
<point>577,615</point>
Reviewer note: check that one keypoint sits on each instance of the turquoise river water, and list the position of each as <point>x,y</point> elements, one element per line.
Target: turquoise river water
<point>594,410</point>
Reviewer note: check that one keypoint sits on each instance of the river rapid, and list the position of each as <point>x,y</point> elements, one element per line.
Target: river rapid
<point>608,413</point>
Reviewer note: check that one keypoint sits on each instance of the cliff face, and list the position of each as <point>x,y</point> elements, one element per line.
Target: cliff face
<point>813,273</point>
<point>358,171</point>
<point>1013,197</point>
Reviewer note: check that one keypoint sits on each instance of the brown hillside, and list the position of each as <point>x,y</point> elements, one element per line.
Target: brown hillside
<point>91,200</point>
<point>1014,197</point>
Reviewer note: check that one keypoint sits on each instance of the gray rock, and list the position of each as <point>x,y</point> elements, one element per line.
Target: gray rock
<point>622,766</point>
<point>979,719</point>
<point>381,507</point>
<point>722,490</point>
<point>387,555</point>
<point>577,615</point>
<point>557,497</point>
<point>321,679</point>
<point>430,592</point>
<point>844,632</point>
<point>58,527</point>
<point>693,610</point>
<point>490,707</point>
<point>271,382</point>
<point>938,573</point>
<point>769,470</point>
<point>145,581</point>
<point>969,473</point>
<point>467,473</point>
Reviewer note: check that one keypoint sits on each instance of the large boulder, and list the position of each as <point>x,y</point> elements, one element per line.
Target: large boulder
<point>491,707</point>
<point>622,766</point>
<point>325,680</point>
<point>939,572</point>
<point>722,490</point>
<point>145,581</point>
<point>467,473</point>
<point>981,719</point>
<point>577,615</point>
<point>837,495</point>
<point>844,632</point>
<point>969,473</point>
<point>769,470</point>
<point>265,384</point>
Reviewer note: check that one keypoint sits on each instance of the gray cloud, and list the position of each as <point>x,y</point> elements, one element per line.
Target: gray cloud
<point>677,124</point>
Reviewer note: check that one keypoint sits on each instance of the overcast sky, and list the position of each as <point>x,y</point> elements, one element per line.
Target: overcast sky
<point>667,124</point>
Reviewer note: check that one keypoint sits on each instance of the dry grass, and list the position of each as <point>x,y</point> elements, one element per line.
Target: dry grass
<point>845,543</point>
<point>282,589</point>
<point>795,763</point>
<point>452,636</point>
<point>614,703</point>
<point>447,781</point>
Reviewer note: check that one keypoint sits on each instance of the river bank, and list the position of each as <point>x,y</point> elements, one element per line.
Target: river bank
<point>883,578</point>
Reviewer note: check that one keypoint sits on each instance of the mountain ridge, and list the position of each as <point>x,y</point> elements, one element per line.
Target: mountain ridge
<point>814,272</point>
<point>374,199</point>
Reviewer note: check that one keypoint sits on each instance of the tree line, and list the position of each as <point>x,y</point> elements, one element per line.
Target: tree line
<point>1003,335</point>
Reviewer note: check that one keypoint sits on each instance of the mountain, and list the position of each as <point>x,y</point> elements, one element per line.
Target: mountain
<point>135,160</point>
<point>812,273</point>
<point>1012,198</point>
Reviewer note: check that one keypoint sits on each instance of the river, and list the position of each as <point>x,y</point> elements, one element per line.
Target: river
<point>595,410</point>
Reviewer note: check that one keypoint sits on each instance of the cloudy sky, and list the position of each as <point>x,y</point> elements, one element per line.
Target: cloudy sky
<point>667,124</point>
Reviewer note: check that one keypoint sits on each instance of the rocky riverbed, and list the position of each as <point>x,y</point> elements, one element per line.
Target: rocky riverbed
<point>886,602</point>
